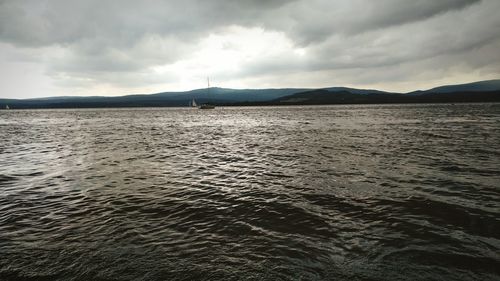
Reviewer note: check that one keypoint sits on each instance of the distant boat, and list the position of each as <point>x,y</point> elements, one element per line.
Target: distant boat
<point>193,103</point>
<point>7,106</point>
<point>207,105</point>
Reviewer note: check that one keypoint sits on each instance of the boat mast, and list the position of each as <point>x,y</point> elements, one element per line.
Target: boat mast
<point>207,104</point>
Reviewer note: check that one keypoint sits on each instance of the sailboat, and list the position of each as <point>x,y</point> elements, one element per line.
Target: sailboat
<point>207,105</point>
<point>7,106</point>
<point>193,103</point>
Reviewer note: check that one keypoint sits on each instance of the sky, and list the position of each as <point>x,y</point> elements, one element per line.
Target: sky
<point>104,47</point>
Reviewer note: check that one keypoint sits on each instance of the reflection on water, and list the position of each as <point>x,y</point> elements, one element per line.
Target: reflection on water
<point>276,193</point>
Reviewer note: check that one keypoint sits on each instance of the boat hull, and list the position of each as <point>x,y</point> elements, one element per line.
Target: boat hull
<point>206,106</point>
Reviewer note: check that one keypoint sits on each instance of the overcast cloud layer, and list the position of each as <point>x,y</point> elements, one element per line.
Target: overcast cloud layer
<point>96,47</point>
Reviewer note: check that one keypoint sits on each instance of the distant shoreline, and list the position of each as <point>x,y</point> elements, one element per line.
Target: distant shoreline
<point>477,92</point>
<point>258,105</point>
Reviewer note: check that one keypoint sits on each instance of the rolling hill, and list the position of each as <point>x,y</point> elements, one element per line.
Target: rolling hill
<point>480,86</point>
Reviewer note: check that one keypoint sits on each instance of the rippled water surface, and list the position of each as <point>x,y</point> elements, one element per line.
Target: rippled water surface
<point>397,192</point>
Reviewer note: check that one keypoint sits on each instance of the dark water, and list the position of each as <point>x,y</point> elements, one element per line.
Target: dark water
<point>291,193</point>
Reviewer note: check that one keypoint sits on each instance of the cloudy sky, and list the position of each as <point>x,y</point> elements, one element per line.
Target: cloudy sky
<point>99,47</point>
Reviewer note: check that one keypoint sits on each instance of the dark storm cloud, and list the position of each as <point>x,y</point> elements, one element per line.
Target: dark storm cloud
<point>356,16</point>
<point>38,23</point>
<point>35,23</point>
<point>387,13</point>
<point>101,41</point>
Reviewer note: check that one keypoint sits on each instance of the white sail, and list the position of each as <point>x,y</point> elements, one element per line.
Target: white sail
<point>193,103</point>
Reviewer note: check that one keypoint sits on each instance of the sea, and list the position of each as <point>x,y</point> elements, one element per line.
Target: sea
<point>342,192</point>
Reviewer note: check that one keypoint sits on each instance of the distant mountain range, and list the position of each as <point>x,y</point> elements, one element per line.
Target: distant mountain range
<point>482,91</point>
